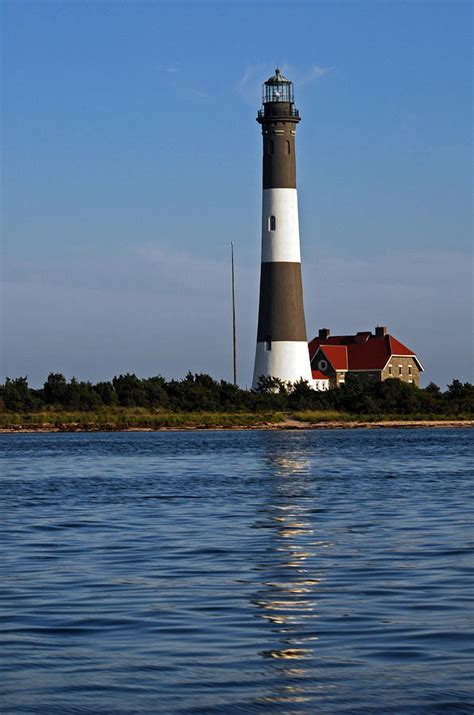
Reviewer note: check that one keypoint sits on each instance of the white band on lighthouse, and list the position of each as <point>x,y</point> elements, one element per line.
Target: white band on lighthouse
<point>280,228</point>
<point>287,360</point>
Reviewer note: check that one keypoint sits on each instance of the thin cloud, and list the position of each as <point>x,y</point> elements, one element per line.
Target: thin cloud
<point>301,77</point>
<point>169,69</point>
<point>314,73</point>
<point>198,93</point>
<point>249,85</point>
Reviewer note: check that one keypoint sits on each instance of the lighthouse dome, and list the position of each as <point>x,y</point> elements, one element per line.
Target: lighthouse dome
<point>277,78</point>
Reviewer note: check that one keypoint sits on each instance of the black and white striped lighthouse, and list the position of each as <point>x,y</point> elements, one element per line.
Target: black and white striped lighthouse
<point>282,348</point>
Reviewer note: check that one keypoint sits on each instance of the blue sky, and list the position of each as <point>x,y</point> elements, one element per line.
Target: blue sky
<point>132,158</point>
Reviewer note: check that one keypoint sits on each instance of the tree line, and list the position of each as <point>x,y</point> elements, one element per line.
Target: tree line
<point>201,393</point>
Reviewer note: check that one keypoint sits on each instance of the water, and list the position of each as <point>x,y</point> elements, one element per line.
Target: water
<point>237,572</point>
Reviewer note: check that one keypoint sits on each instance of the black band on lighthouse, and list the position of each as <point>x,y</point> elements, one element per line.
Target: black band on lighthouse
<point>281,313</point>
<point>279,164</point>
<point>279,120</point>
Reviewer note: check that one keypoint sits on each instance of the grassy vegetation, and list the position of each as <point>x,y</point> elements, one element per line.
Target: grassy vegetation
<point>319,416</point>
<point>129,418</point>
<point>121,418</point>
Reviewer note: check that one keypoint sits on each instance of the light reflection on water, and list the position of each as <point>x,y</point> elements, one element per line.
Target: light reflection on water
<point>240,572</point>
<point>289,602</point>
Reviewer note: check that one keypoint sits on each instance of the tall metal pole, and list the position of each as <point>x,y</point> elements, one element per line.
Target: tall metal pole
<point>233,314</point>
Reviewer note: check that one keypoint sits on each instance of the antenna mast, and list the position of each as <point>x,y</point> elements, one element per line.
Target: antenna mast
<point>234,351</point>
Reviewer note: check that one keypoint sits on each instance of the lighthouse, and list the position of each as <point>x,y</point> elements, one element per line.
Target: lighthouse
<point>282,347</point>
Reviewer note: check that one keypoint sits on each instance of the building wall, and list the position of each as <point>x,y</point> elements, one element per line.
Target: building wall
<point>396,362</point>
<point>401,369</point>
<point>367,374</point>
<point>320,385</point>
<point>329,370</point>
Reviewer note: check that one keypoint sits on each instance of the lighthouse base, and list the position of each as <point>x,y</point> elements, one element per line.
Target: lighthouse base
<point>286,360</point>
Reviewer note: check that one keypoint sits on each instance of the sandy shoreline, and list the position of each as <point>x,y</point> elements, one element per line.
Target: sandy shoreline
<point>288,424</point>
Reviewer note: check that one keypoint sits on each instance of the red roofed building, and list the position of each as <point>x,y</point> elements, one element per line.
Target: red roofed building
<point>377,355</point>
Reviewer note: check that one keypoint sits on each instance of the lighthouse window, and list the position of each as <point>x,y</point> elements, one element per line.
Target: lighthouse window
<point>268,343</point>
<point>288,147</point>
<point>272,223</point>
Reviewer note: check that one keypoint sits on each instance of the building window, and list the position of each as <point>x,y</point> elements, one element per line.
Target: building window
<point>272,223</point>
<point>268,343</point>
<point>410,371</point>
<point>400,369</point>
<point>389,369</point>
<point>288,147</point>
<point>410,381</point>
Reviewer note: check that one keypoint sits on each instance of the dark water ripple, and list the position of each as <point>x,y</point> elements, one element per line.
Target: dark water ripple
<point>237,572</point>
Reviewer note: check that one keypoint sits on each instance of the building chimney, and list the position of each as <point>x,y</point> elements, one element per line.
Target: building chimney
<point>380,331</point>
<point>324,333</point>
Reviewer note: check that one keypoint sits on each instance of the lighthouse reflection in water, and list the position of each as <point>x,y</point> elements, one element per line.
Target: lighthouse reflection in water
<point>288,598</point>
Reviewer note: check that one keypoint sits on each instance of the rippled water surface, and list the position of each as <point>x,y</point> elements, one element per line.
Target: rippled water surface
<point>237,572</point>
